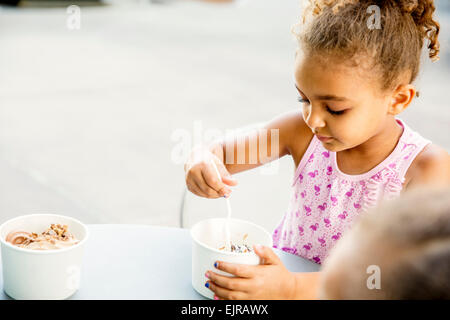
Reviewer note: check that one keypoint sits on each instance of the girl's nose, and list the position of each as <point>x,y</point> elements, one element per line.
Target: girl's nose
<point>314,119</point>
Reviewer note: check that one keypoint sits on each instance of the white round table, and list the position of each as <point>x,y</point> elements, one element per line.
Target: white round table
<point>144,262</point>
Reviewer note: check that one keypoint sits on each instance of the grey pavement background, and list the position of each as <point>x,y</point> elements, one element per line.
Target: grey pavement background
<point>87,116</point>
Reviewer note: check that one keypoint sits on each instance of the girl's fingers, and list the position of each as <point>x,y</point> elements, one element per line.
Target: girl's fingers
<point>197,186</point>
<point>239,270</point>
<point>226,176</point>
<point>206,191</point>
<point>194,188</point>
<point>212,180</point>
<point>206,188</point>
<point>266,254</point>
<point>229,181</point>
<point>230,283</point>
<point>226,294</point>
<point>203,180</point>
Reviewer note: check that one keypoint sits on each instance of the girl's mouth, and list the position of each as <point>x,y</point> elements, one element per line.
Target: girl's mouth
<point>323,138</point>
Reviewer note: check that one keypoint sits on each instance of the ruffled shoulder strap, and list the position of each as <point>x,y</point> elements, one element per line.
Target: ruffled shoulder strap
<point>387,183</point>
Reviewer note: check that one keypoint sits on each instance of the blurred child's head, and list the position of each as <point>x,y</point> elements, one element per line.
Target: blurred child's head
<point>405,243</point>
<point>346,63</point>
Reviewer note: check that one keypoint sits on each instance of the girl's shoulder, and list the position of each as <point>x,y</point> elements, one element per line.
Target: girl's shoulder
<point>294,134</point>
<point>431,167</point>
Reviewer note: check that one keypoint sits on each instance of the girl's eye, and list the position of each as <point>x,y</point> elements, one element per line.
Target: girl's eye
<point>335,112</point>
<point>301,100</point>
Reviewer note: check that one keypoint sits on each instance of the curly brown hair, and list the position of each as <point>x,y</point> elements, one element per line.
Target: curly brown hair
<point>339,28</point>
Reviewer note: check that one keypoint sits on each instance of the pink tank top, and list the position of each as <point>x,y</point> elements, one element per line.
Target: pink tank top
<point>325,201</point>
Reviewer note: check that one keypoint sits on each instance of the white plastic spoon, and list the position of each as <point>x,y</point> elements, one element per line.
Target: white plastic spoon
<point>227,224</point>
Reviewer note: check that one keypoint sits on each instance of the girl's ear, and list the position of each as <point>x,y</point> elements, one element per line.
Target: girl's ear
<point>401,98</point>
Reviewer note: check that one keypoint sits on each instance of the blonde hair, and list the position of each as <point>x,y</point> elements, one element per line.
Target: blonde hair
<point>339,28</point>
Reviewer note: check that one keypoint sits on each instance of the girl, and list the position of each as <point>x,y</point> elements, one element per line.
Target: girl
<point>349,148</point>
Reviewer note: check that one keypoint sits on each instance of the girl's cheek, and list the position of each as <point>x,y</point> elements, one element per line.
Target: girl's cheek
<point>347,131</point>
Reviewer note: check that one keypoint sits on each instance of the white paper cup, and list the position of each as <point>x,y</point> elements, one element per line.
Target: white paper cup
<point>41,274</point>
<point>209,235</point>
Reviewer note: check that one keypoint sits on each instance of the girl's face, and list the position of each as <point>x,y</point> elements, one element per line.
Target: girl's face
<point>339,103</point>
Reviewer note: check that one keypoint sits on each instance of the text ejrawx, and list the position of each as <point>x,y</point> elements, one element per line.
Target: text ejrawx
<point>230,310</point>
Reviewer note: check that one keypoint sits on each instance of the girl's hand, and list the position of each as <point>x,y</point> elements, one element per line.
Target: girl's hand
<point>201,176</point>
<point>269,280</point>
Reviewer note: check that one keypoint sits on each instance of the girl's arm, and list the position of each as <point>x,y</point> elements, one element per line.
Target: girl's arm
<point>290,136</point>
<point>289,133</point>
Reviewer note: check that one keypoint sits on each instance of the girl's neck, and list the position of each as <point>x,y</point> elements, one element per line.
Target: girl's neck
<point>369,154</point>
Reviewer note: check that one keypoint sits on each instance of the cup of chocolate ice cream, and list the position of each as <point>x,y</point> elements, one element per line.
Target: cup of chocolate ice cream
<point>41,256</point>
